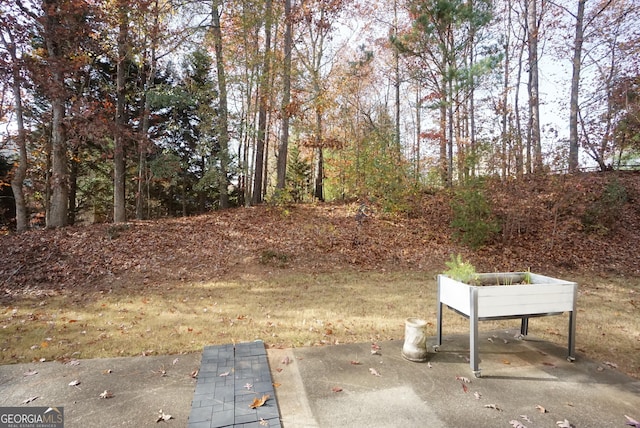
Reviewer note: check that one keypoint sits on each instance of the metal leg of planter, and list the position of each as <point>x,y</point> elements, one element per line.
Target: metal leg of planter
<point>572,326</point>
<point>524,327</point>
<point>572,336</point>
<point>473,333</point>
<point>439,322</point>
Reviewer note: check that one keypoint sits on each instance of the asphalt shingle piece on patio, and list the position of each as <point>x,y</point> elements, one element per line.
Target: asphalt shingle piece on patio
<point>229,379</point>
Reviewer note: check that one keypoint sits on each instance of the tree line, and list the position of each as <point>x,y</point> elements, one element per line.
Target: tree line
<point>120,109</point>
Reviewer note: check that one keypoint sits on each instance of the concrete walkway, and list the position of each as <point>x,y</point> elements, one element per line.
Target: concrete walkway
<point>324,387</point>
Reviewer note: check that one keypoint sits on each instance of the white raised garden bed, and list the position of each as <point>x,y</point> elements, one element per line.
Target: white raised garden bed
<point>507,298</point>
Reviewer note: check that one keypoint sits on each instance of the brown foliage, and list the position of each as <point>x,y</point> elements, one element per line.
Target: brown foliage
<point>542,231</point>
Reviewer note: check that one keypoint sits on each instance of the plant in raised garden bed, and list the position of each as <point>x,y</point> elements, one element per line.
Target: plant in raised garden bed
<point>461,270</point>
<point>465,272</point>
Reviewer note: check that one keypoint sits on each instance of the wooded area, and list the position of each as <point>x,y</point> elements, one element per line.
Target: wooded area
<point>119,109</point>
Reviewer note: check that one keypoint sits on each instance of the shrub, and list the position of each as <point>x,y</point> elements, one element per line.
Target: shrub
<point>473,221</point>
<point>603,213</point>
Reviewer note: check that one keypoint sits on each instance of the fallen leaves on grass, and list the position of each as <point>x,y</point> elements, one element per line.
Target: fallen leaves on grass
<point>259,402</point>
<point>106,394</point>
<point>163,417</point>
<point>493,406</point>
<point>374,371</point>
<point>632,422</point>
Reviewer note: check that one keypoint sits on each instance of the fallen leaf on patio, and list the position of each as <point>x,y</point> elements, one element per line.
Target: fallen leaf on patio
<point>355,362</point>
<point>279,369</point>
<point>541,409</point>
<point>564,424</point>
<point>600,369</point>
<point>264,423</point>
<point>74,383</point>
<point>106,394</point>
<point>490,340</point>
<point>429,365</point>
<point>463,379</point>
<point>286,360</point>
<point>507,362</point>
<point>464,387</point>
<point>224,374</point>
<point>259,402</point>
<point>493,406</point>
<point>107,371</point>
<point>477,395</point>
<point>248,385</point>
<point>526,418</point>
<point>632,422</point>
<point>336,389</point>
<point>547,363</point>
<point>375,352</point>
<point>175,361</point>
<point>375,347</point>
<point>276,384</point>
<point>30,399</point>
<point>610,364</point>
<point>194,373</point>
<point>30,373</point>
<point>374,371</point>
<point>516,424</point>
<point>163,417</point>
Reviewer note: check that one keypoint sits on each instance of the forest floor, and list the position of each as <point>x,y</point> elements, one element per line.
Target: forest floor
<point>311,274</point>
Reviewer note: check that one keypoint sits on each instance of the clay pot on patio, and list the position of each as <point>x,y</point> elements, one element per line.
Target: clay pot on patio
<point>415,340</point>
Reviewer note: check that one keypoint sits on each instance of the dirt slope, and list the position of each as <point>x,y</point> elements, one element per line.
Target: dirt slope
<point>542,220</point>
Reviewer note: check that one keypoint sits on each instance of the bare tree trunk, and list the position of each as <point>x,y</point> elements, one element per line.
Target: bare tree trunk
<point>418,133</point>
<point>575,85</point>
<point>534,93</point>
<point>505,100</point>
<point>286,97</point>
<point>143,145</point>
<point>119,208</point>
<point>265,79</point>
<point>396,83</point>
<point>516,107</point>
<point>19,174</point>
<point>444,174</point>
<point>58,208</point>
<point>223,109</point>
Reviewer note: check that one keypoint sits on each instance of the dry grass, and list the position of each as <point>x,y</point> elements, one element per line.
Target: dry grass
<point>288,309</point>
